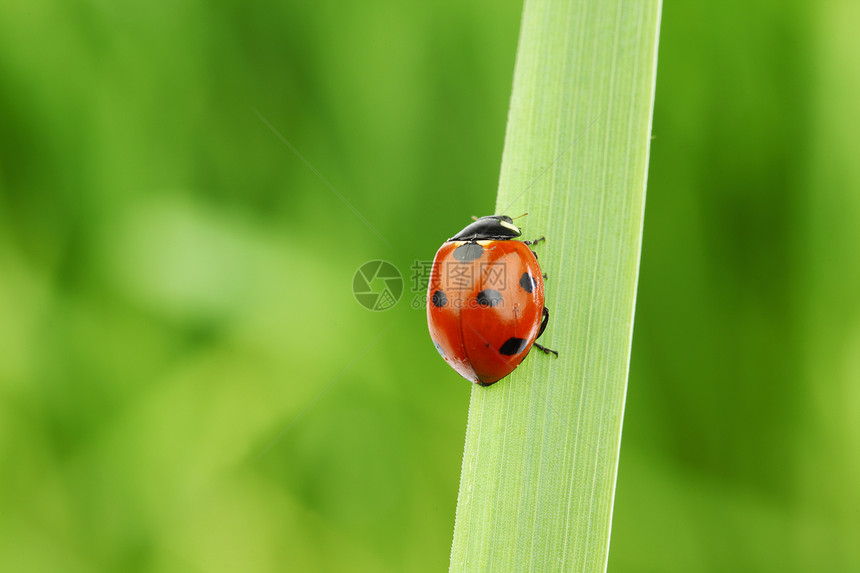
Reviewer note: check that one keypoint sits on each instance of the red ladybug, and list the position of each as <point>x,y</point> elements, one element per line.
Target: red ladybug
<point>485,300</point>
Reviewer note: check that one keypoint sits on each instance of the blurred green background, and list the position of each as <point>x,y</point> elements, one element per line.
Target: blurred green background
<point>187,383</point>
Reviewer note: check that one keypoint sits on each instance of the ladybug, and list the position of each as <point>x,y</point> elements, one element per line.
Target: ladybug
<point>485,300</point>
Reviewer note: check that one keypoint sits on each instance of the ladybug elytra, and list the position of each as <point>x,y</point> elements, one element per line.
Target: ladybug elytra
<point>485,300</point>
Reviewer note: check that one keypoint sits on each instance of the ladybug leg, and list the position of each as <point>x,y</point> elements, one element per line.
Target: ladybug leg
<point>543,324</point>
<point>535,242</point>
<point>544,349</point>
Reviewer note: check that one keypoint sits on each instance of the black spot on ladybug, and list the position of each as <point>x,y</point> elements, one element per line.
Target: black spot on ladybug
<point>527,282</point>
<point>439,349</point>
<point>439,299</point>
<point>468,252</point>
<point>489,297</point>
<point>513,345</point>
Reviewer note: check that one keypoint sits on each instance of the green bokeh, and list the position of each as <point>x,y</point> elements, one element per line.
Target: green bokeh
<point>188,384</point>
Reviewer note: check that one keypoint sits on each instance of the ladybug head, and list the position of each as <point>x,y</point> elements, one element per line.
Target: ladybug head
<point>494,227</point>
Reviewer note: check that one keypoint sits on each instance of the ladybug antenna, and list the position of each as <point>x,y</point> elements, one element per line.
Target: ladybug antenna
<point>519,216</point>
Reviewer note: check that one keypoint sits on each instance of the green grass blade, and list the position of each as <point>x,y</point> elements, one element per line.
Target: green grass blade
<point>541,454</point>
